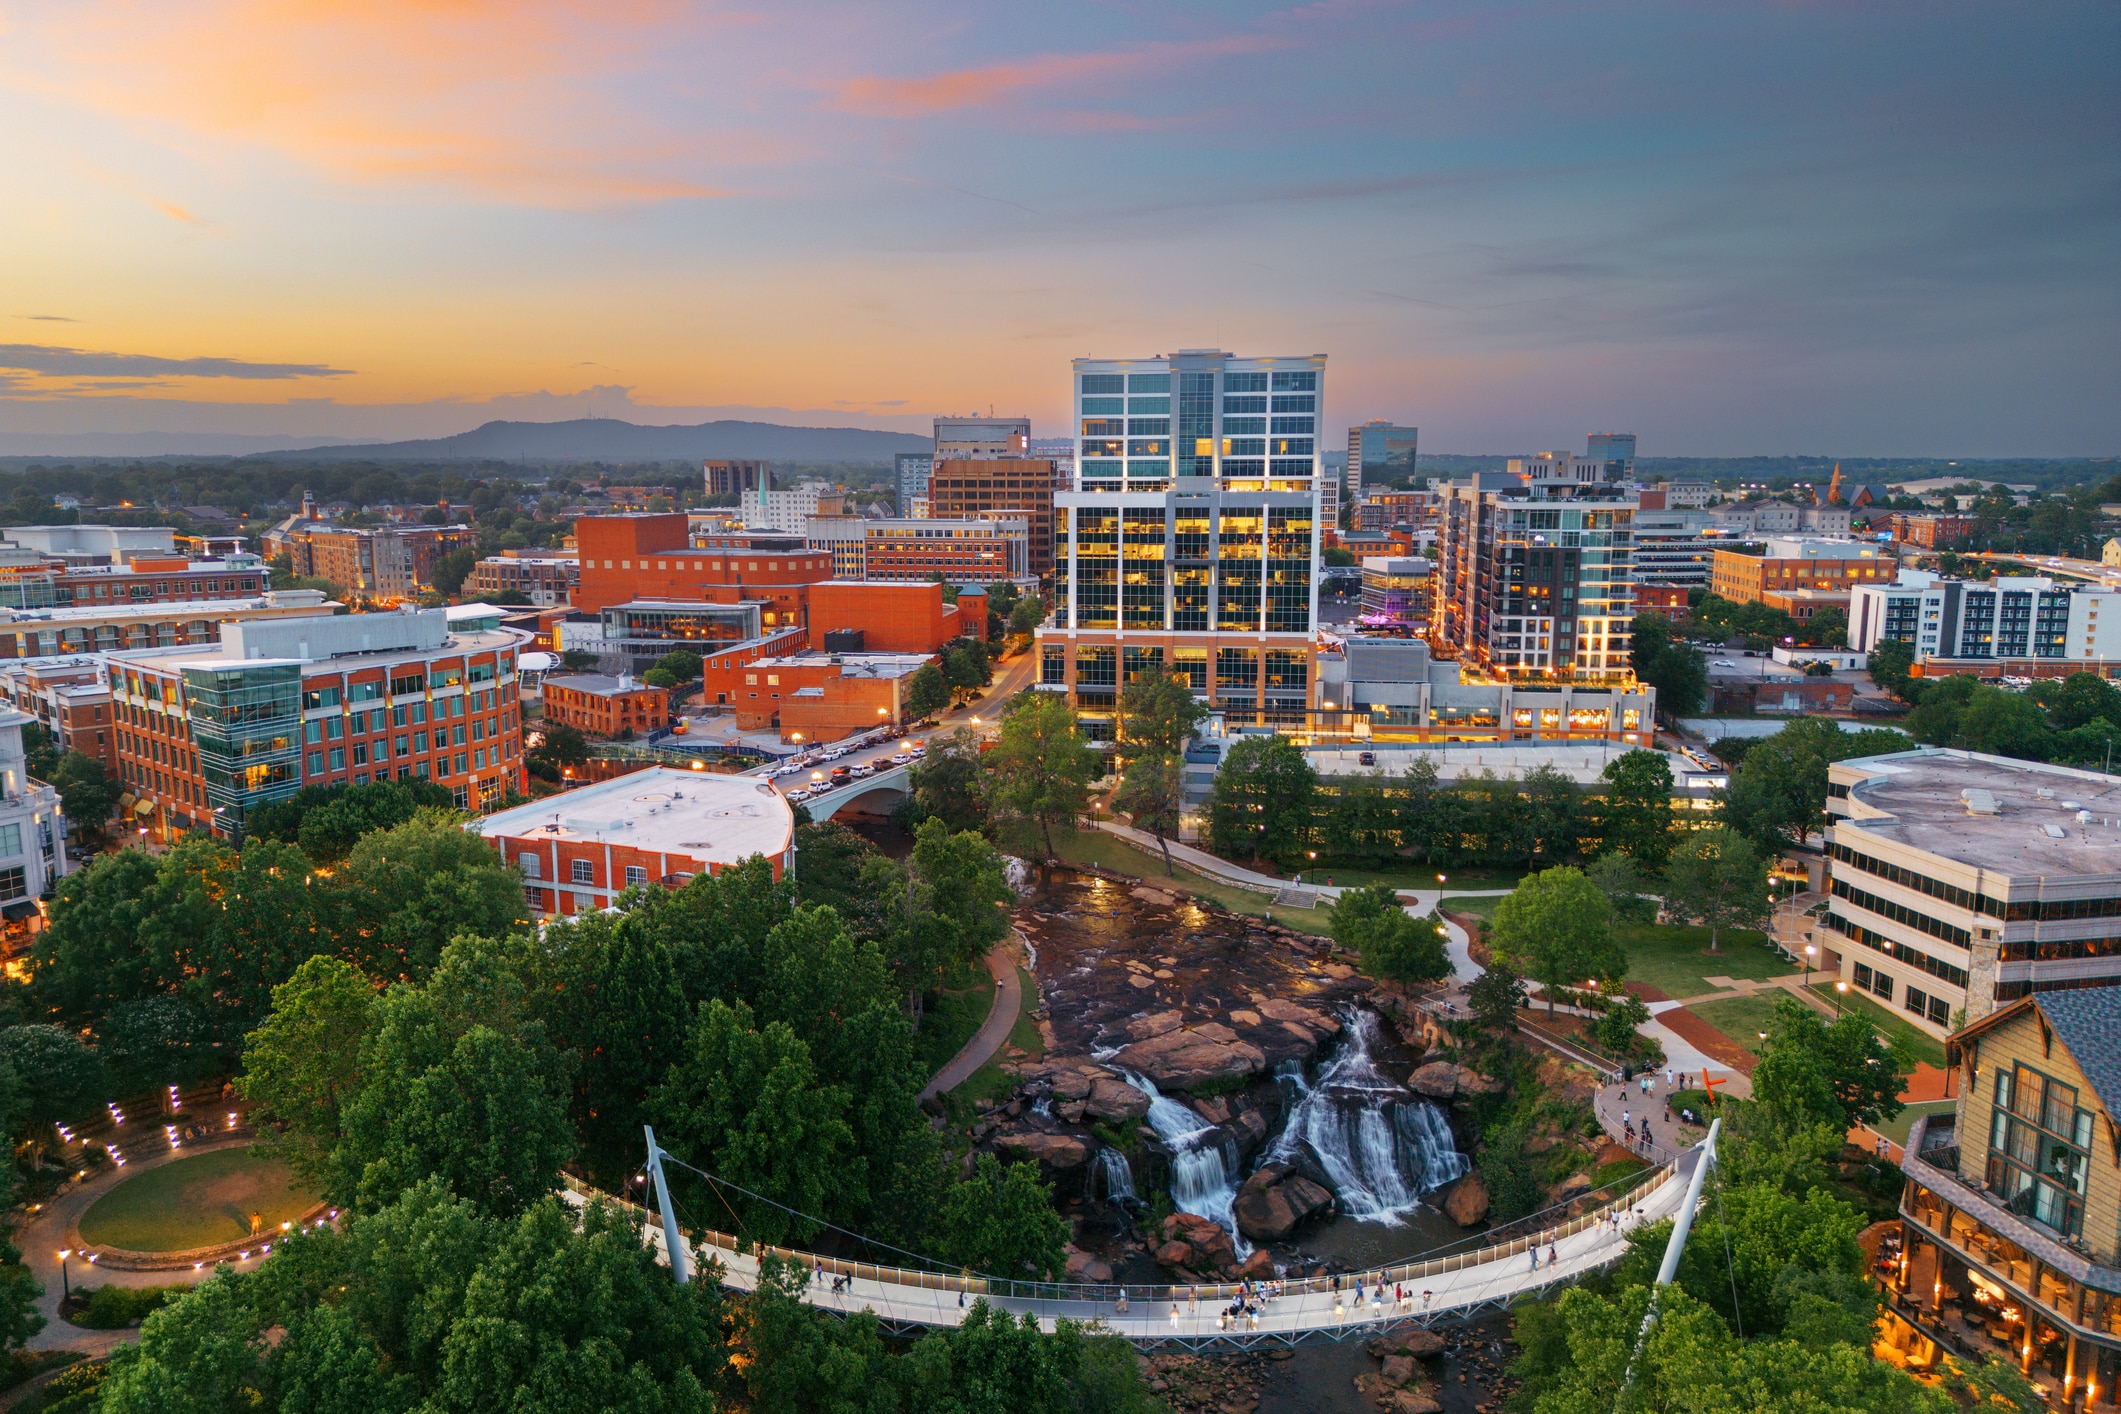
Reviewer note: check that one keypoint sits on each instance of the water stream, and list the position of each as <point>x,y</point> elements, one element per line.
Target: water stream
<point>1118,1176</point>
<point>1203,1161</point>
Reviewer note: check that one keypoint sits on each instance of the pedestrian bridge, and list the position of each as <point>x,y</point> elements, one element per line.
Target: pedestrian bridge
<point>1307,1311</point>
<point>875,795</point>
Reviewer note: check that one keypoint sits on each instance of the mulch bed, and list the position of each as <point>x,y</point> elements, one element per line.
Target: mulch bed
<point>1646,992</point>
<point>1708,1040</point>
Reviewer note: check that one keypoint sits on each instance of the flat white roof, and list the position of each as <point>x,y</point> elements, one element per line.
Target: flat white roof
<point>707,818</point>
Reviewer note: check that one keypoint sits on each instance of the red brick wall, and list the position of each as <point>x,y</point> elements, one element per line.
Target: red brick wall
<point>893,618</point>
<point>647,557</point>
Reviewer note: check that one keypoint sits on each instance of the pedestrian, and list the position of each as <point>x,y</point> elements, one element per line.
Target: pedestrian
<point>1426,1298</point>
<point>1121,1308</point>
<point>1174,1315</point>
<point>961,1299</point>
<point>1535,1259</point>
<point>1377,1301</point>
<point>1338,1309</point>
<point>1193,1301</point>
<point>1626,1116</point>
<point>1667,1077</point>
<point>1553,1254</point>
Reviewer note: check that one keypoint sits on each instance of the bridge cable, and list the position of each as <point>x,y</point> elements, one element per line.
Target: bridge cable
<point>942,1268</point>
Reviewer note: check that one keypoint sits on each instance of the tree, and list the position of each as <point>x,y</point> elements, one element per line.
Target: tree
<point>405,892</point>
<point>1001,1221</point>
<point>1718,877</point>
<point>563,746</point>
<point>1042,769</point>
<point>2072,702</point>
<point>1393,945</point>
<point>87,793</point>
<point>1638,808</point>
<point>299,1067</point>
<point>1621,880</point>
<point>967,889</point>
<point>60,1077</point>
<point>87,959</point>
<point>966,668</point>
<point>1158,715</point>
<point>946,783</point>
<point>1152,793</point>
<point>1672,666</point>
<point>660,677</point>
<point>1495,996</point>
<point>1617,1026</point>
<point>1263,799</point>
<point>1557,927</point>
<point>1846,1060</point>
<point>1890,666</point>
<point>1027,615</point>
<point>682,664</point>
<point>926,691</point>
<point>454,568</point>
<point>1828,628</point>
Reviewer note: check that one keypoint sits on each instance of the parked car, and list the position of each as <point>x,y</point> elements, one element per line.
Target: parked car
<point>1367,758</point>
<point>867,768</point>
<point>841,773</point>
<point>902,758</point>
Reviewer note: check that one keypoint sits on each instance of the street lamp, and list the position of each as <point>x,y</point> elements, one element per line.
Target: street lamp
<point>1841,990</point>
<point>65,1282</point>
<point>1811,950</point>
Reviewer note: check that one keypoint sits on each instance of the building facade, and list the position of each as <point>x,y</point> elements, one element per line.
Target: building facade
<point>580,850</point>
<point>1380,452</point>
<point>42,633</point>
<point>737,478</point>
<point>1536,572</point>
<point>1010,488</point>
<point>2012,1202</point>
<point>1961,881</point>
<point>205,737</point>
<point>791,508</point>
<point>1395,595</point>
<point>606,706</point>
<point>545,580</point>
<point>386,563</point>
<point>981,439</point>
<point>69,698</point>
<point>33,854</point>
<point>907,549</point>
<point>1616,450</point>
<point>1394,690</point>
<point>909,476</point>
<point>2027,621</point>
<point>1931,531</point>
<point>1746,574</point>
<point>650,556</point>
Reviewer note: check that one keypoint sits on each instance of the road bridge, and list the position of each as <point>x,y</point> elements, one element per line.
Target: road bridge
<point>875,794</point>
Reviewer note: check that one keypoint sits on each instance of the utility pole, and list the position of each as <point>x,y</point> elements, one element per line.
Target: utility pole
<point>673,1240</point>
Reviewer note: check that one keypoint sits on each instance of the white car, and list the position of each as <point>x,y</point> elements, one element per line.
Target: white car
<point>902,758</point>
<point>867,768</point>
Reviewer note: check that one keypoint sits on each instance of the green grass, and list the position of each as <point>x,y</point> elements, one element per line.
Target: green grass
<point>1672,959</point>
<point>953,1018</point>
<point>1896,1128</point>
<point>1917,1042</point>
<point>196,1203</point>
<point>1415,876</point>
<point>1740,1018</point>
<point>1478,905</point>
<point>1025,1034</point>
<point>1111,852</point>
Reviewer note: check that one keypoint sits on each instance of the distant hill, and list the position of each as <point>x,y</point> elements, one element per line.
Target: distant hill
<point>607,439</point>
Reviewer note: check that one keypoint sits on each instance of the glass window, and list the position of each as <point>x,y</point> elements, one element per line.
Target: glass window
<point>1148,382</point>
<point>1245,383</point>
<point>581,871</point>
<point>636,874</point>
<point>1104,383</point>
<point>1305,382</point>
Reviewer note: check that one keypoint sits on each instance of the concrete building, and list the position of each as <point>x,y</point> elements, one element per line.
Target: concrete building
<point>93,544</point>
<point>1389,510</point>
<point>1395,595</point>
<point>103,628</point>
<point>1616,450</point>
<point>2019,623</point>
<point>1962,882</point>
<point>1536,571</point>
<point>843,696</point>
<point>69,697</point>
<point>909,476</point>
<point>1747,573</point>
<point>384,563</point>
<point>1689,495</point>
<point>1753,518</point>
<point>1380,452</point>
<point>207,736</point>
<point>545,580</point>
<point>1392,689</point>
<point>737,478</point>
<point>981,439</point>
<point>1675,546</point>
<point>32,840</point>
<point>791,508</point>
<point>1003,488</point>
<point>1192,537</point>
<point>578,851</point>
<point>2110,554</point>
<point>606,706</point>
<point>2011,1203</point>
<point>968,551</point>
<point>905,617</point>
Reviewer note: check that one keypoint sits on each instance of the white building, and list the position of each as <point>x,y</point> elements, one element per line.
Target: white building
<point>1689,495</point>
<point>1782,518</point>
<point>32,834</point>
<point>790,509</point>
<point>2026,617</point>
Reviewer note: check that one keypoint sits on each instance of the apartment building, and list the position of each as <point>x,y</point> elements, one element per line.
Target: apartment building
<point>1536,571</point>
<point>1755,518</point>
<point>385,563</point>
<point>1008,488</point>
<point>1961,881</point>
<point>981,439</point>
<point>909,478</point>
<point>1386,510</point>
<point>545,580</point>
<point>962,551</point>
<point>791,508</point>
<point>737,478</point>
<point>33,854</point>
<point>1930,532</point>
<point>1757,572</point>
<point>606,706</point>
<point>2012,1202</point>
<point>207,736</point>
<point>103,628</point>
<point>69,697</point>
<point>2018,624</point>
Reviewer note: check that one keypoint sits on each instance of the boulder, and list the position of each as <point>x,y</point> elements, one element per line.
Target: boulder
<point>1211,1247</point>
<point>1141,1028</point>
<point>1575,1183</point>
<point>1276,1009</point>
<point>1054,1151</point>
<point>1421,1344</point>
<point>1115,1100</point>
<point>1438,1080</point>
<point>1258,1267</point>
<point>1071,1085</point>
<point>1398,1370</point>
<point>1245,1018</point>
<point>1414,1401</point>
<point>1472,1082</point>
<point>1272,1204</point>
<point>1467,1201</point>
<point>1190,1056</point>
<point>1083,1267</point>
<point>1215,1109</point>
<point>1175,1254</point>
<point>1072,1112</point>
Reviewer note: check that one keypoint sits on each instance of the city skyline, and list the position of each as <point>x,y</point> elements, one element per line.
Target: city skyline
<point>1878,230</point>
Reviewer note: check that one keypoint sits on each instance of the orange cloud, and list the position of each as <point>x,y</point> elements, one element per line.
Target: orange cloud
<point>513,99</point>
<point>983,87</point>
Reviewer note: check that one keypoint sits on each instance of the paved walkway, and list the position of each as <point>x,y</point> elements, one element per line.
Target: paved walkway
<point>994,1032</point>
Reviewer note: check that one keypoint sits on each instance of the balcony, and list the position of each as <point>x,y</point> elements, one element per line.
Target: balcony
<point>1932,1160</point>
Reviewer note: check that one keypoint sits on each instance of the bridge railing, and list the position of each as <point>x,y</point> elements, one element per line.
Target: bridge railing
<point>981,1285</point>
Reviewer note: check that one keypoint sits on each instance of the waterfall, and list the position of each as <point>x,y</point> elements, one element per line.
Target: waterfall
<point>1203,1161</point>
<point>1381,1147</point>
<point>1119,1176</point>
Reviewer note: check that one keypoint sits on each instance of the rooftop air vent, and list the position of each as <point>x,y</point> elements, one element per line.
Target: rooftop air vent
<point>2055,832</point>
<point>1979,802</point>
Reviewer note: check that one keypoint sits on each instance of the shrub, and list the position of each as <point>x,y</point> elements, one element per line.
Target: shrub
<point>71,1391</point>
<point>113,1308</point>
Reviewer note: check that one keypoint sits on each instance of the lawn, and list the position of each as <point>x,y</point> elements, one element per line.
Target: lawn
<point>1740,1018</point>
<point>1896,1128</point>
<point>1416,876</point>
<point>196,1203</point>
<point>1673,958</point>
<point>1112,852</point>
<point>1919,1043</point>
<point>952,1019</point>
<point>1479,905</point>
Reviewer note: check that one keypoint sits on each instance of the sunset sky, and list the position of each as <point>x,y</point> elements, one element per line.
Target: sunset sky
<point>1860,228</point>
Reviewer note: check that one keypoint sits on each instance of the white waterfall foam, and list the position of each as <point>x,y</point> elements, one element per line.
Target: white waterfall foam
<point>1381,1147</point>
<point>1118,1175</point>
<point>1203,1163</point>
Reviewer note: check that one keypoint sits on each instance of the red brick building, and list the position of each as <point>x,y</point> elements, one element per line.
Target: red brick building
<point>606,706</point>
<point>1667,599</point>
<point>1931,531</point>
<point>629,557</point>
<point>578,851</point>
<point>892,618</point>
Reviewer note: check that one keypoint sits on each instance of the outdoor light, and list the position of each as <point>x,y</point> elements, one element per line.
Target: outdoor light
<point>699,765</point>
<point>65,1282</point>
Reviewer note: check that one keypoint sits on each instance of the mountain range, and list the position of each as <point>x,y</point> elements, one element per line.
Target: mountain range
<point>608,439</point>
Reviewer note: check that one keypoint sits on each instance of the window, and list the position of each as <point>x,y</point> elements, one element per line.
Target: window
<point>635,874</point>
<point>14,883</point>
<point>582,871</point>
<point>529,864</point>
<point>338,758</point>
<point>2039,1149</point>
<point>10,839</point>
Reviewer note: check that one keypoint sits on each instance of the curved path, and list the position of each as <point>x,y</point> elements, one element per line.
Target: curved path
<point>994,1031</point>
<point>1308,1311</point>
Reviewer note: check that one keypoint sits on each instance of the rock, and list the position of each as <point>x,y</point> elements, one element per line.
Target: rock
<point>1215,1109</point>
<point>1245,1018</point>
<point>1472,1082</point>
<point>1467,1201</point>
<point>1175,1254</point>
<point>1421,1344</point>
<point>1414,1401</point>
<point>1438,1080</point>
<point>1276,1009</point>
<point>1541,1143</point>
<point>1271,1204</point>
<point>1191,1056</point>
<point>1141,1028</point>
<point>1116,1100</point>
<point>1338,971</point>
<point>1071,1085</point>
<point>1258,1267</point>
<point>1399,1369</point>
<point>1055,1151</point>
<point>1013,1109</point>
<point>1163,974</point>
<point>1141,981</point>
<point>1072,1112</point>
<point>1083,1267</point>
<point>983,1106</point>
<point>1575,1183</point>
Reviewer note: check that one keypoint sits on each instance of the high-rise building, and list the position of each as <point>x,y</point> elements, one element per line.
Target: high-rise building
<point>1015,486</point>
<point>981,438</point>
<point>735,478</point>
<point>1380,452</point>
<point>1191,541</point>
<point>1615,449</point>
<point>1536,571</point>
<point>910,474</point>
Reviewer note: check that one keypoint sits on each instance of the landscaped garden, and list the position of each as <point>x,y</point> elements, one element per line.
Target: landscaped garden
<point>196,1202</point>
<point>1675,959</point>
<point>1741,1018</point>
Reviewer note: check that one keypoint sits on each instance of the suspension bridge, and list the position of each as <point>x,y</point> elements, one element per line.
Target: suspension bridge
<point>1298,1311</point>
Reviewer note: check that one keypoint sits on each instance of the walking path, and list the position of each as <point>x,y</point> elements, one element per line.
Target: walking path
<point>994,1032</point>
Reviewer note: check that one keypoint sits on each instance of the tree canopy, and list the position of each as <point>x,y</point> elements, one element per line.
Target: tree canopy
<point>1557,927</point>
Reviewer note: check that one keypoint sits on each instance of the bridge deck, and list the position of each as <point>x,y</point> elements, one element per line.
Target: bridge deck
<point>1308,1310</point>
<point>824,806</point>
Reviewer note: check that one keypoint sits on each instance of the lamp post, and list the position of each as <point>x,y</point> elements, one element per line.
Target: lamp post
<point>1811,951</point>
<point>66,1285</point>
<point>1840,991</point>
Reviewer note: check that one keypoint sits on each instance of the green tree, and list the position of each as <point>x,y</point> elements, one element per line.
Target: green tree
<point>927,692</point>
<point>405,892</point>
<point>1668,663</point>
<point>1042,770</point>
<point>299,1066</point>
<point>1638,808</point>
<point>453,569</point>
<point>61,1078</point>
<point>1625,887</point>
<point>87,959</point>
<point>966,668</point>
<point>1001,1221</point>
<point>562,747</point>
<point>1890,666</point>
<point>1718,877</point>
<point>967,886</point>
<point>1028,613</point>
<point>1394,945</point>
<point>682,664</point>
<point>1158,715</point>
<point>1152,794</point>
<point>1263,799</point>
<point>1495,995</point>
<point>1557,927</point>
<point>1617,1026</point>
<point>946,784</point>
<point>660,677</point>
<point>1828,628</point>
<point>1810,1062</point>
<point>87,793</point>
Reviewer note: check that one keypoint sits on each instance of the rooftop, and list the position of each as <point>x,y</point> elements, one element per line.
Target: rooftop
<point>2026,826</point>
<point>307,601</point>
<point>853,665</point>
<point>716,818</point>
<point>599,684</point>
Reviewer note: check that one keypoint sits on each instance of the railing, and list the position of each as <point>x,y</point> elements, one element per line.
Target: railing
<point>984,1285</point>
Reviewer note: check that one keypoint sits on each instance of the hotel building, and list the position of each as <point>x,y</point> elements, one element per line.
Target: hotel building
<point>2026,623</point>
<point>1190,542</point>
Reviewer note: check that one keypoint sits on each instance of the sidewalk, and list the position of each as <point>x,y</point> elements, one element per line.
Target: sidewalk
<point>1001,962</point>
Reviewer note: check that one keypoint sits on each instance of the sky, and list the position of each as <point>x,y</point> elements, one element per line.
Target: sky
<point>1817,226</point>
